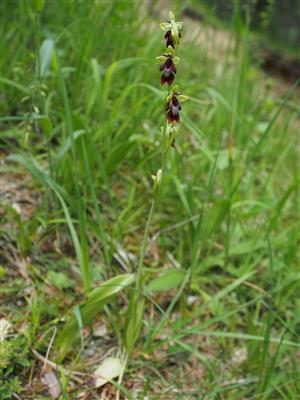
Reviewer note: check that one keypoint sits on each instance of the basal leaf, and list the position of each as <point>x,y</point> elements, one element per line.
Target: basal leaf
<point>166,281</point>
<point>88,310</point>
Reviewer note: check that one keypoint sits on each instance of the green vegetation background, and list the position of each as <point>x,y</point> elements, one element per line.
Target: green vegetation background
<point>81,116</point>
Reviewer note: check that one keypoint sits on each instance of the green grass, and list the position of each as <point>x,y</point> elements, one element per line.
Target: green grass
<point>81,117</point>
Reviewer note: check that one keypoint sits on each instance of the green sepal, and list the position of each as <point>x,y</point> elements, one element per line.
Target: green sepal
<point>171,16</point>
<point>175,33</point>
<point>182,98</point>
<point>165,26</point>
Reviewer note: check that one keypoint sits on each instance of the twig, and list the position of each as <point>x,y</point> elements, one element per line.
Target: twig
<point>57,367</point>
<point>50,345</point>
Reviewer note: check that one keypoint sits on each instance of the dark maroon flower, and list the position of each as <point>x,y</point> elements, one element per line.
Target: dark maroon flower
<point>169,39</point>
<point>169,70</point>
<point>173,107</point>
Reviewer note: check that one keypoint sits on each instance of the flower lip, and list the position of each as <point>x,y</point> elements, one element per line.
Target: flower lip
<point>173,107</point>
<point>172,29</point>
<point>168,69</point>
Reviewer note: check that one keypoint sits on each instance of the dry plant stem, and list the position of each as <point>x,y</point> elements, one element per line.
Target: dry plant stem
<point>57,367</point>
<point>50,345</point>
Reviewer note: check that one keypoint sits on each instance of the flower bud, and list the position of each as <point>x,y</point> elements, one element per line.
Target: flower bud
<point>172,29</point>
<point>156,181</point>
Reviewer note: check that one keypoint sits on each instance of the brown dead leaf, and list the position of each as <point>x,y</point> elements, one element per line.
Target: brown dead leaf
<point>52,383</point>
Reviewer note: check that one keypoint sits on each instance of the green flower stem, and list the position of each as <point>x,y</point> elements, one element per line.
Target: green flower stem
<point>144,244</point>
<point>150,218</point>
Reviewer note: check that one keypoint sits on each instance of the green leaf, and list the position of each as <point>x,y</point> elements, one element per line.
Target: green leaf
<point>38,173</point>
<point>46,53</point>
<point>15,85</point>
<point>59,280</point>
<point>39,5</point>
<point>117,155</point>
<point>65,147</point>
<point>111,70</point>
<point>97,83</point>
<point>46,124</point>
<point>166,281</point>
<point>134,321</point>
<point>34,168</point>
<point>239,336</point>
<point>88,310</point>
<point>214,218</point>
